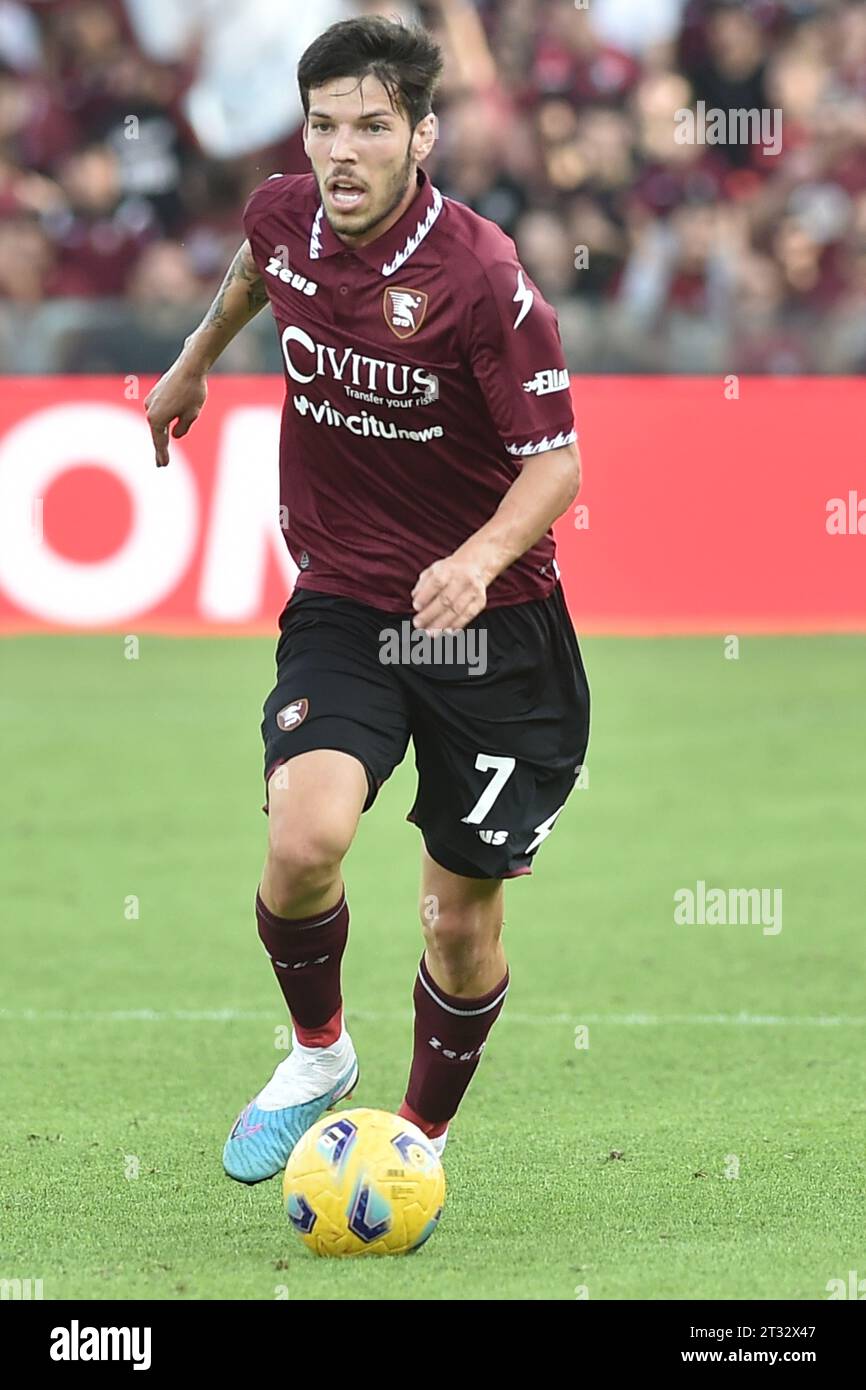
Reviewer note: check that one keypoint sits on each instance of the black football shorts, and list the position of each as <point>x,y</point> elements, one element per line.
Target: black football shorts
<point>499,722</point>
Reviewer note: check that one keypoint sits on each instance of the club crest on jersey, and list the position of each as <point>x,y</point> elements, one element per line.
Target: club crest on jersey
<point>405,310</point>
<point>290,716</point>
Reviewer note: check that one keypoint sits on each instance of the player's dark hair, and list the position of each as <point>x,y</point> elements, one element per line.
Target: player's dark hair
<point>404,58</point>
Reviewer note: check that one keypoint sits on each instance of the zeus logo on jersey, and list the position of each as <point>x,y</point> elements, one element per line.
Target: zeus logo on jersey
<point>524,297</point>
<point>547,383</point>
<point>277,267</point>
<point>306,359</point>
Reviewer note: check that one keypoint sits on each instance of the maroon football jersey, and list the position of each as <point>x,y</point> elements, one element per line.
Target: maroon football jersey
<point>420,371</point>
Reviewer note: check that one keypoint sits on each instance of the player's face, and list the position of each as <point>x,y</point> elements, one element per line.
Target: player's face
<point>364,155</point>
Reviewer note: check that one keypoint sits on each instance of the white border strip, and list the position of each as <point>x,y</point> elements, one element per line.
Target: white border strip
<point>740,1020</point>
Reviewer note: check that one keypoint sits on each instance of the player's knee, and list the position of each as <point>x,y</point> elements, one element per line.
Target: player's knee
<point>456,934</point>
<point>303,860</point>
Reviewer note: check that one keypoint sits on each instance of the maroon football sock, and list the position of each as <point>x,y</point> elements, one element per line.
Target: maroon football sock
<point>306,953</point>
<point>450,1034</point>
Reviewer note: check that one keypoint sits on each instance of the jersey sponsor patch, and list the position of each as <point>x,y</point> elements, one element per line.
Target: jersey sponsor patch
<point>367,425</point>
<point>547,383</point>
<point>306,359</point>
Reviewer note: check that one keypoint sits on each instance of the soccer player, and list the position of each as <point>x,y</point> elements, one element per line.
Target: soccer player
<point>427,446</point>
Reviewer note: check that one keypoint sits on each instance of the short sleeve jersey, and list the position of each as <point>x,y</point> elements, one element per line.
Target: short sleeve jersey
<point>421,371</point>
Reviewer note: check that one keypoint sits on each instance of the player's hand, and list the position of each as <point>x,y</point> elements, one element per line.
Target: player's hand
<point>450,593</point>
<point>179,396</point>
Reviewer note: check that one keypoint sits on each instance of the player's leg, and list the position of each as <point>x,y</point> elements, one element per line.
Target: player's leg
<point>314,805</point>
<point>314,802</point>
<point>497,752</point>
<point>462,920</point>
<point>459,992</point>
<point>334,728</point>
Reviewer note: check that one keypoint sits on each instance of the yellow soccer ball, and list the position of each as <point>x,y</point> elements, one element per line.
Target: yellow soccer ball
<point>364,1182</point>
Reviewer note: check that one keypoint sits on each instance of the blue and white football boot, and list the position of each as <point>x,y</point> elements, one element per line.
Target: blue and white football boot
<point>308,1082</point>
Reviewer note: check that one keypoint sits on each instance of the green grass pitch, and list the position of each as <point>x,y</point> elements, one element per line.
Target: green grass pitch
<point>707,1143</point>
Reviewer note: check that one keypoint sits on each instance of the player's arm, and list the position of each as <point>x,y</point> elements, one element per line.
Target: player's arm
<point>453,591</point>
<point>181,393</point>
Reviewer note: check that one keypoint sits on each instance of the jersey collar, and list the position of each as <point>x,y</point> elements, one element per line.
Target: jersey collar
<point>388,253</point>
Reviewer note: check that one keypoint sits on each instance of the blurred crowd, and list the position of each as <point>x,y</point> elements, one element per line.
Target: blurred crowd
<point>131,131</point>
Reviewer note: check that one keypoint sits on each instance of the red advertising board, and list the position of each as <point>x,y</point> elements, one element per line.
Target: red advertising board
<point>709,505</point>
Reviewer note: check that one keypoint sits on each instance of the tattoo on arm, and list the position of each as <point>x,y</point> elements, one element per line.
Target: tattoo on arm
<point>242,269</point>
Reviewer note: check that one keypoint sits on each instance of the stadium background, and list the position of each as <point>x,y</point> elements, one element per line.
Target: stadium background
<point>717,333</point>
<point>555,121</point>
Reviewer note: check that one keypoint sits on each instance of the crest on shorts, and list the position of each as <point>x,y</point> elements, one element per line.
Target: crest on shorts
<point>290,716</point>
<point>405,310</point>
